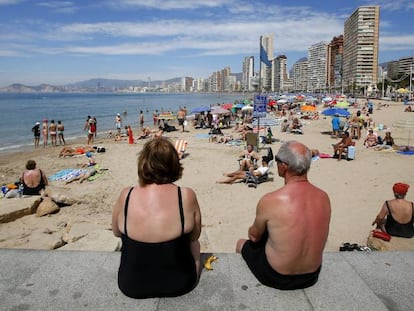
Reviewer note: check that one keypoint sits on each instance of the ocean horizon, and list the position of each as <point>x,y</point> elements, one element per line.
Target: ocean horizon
<point>21,111</point>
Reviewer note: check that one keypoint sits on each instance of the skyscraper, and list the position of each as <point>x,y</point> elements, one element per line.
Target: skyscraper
<point>265,73</point>
<point>247,73</point>
<point>317,70</point>
<point>335,58</point>
<point>361,34</point>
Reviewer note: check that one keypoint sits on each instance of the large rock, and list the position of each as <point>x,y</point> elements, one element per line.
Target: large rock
<point>98,240</point>
<point>78,230</point>
<point>41,239</point>
<point>12,209</point>
<point>62,196</point>
<point>47,206</point>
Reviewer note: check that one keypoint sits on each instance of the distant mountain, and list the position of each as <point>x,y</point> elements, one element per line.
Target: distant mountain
<point>92,85</point>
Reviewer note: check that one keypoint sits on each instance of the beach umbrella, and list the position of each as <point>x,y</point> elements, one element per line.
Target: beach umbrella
<point>166,116</point>
<point>333,111</point>
<point>247,108</point>
<point>238,106</point>
<point>282,101</point>
<point>219,110</point>
<point>227,106</point>
<point>327,99</point>
<point>200,109</point>
<point>265,122</point>
<point>406,124</point>
<point>402,91</point>
<point>309,108</point>
<point>342,104</point>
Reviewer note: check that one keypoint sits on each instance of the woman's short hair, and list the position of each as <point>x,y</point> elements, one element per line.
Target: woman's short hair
<point>297,163</point>
<point>30,164</point>
<point>158,163</point>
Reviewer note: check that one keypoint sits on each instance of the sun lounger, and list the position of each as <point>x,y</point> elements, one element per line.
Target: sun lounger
<point>180,146</point>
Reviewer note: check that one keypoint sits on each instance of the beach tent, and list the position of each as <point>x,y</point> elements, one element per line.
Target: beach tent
<point>219,110</point>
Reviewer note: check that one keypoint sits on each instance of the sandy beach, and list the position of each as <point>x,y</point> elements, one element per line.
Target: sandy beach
<point>357,188</point>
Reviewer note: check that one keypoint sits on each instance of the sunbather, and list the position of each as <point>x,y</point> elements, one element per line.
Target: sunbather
<point>241,175</point>
<point>72,151</point>
<point>247,158</point>
<point>88,172</point>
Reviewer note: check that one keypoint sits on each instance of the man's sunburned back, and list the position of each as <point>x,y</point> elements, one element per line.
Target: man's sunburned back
<point>298,228</point>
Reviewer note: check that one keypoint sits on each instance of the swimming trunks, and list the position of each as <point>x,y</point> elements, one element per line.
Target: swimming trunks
<point>395,228</point>
<point>163,269</point>
<point>180,121</point>
<point>34,190</point>
<point>255,257</point>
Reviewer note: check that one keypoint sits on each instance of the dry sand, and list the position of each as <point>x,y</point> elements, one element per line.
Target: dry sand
<point>357,188</point>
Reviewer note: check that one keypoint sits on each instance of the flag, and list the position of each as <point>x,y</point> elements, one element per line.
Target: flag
<point>263,56</point>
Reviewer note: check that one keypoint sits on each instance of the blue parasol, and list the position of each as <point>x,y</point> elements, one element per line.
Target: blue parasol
<point>200,109</point>
<point>333,111</point>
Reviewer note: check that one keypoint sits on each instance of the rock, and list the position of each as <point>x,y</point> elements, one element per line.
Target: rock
<point>13,209</point>
<point>77,231</point>
<point>47,206</point>
<point>41,239</point>
<point>61,196</point>
<point>98,240</point>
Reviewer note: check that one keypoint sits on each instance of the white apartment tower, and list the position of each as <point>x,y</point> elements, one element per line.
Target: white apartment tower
<point>279,74</point>
<point>265,73</point>
<point>247,74</point>
<point>300,75</point>
<point>317,67</point>
<point>361,33</point>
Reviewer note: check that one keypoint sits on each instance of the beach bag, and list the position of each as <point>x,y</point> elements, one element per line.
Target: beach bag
<point>351,153</point>
<point>381,235</point>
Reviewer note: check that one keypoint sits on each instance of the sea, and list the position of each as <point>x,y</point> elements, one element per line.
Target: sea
<point>20,112</point>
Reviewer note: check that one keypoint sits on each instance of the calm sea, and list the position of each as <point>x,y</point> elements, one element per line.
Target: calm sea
<point>21,111</point>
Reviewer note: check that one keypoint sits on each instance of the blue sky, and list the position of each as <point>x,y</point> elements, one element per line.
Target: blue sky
<point>59,42</point>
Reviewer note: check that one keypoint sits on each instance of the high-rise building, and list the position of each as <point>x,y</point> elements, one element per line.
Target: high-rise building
<point>300,75</point>
<point>334,65</point>
<point>279,74</point>
<point>361,33</point>
<point>265,74</point>
<point>247,74</point>
<point>317,70</point>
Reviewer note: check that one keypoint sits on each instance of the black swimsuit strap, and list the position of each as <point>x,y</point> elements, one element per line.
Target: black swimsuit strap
<point>180,205</point>
<point>126,211</point>
<point>388,207</point>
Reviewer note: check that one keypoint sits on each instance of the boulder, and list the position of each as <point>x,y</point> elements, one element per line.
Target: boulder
<point>78,230</point>
<point>12,209</point>
<point>62,196</point>
<point>47,206</point>
<point>97,240</point>
<point>41,239</point>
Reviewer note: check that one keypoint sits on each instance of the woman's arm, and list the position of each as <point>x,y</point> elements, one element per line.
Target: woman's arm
<point>117,209</point>
<point>380,219</point>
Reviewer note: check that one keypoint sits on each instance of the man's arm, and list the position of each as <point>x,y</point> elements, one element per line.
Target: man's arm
<point>259,225</point>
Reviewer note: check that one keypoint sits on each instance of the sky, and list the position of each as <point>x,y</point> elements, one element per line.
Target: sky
<point>61,42</point>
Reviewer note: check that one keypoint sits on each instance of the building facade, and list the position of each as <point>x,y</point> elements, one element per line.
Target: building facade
<point>279,74</point>
<point>247,74</point>
<point>361,36</point>
<point>300,75</point>
<point>265,74</point>
<point>317,67</point>
<point>334,64</point>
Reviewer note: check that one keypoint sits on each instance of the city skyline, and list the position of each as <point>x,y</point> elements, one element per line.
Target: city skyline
<point>60,42</point>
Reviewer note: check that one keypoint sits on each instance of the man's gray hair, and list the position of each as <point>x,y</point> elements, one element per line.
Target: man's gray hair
<point>297,163</point>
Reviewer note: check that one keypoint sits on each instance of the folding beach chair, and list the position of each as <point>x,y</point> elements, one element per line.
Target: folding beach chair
<point>180,146</point>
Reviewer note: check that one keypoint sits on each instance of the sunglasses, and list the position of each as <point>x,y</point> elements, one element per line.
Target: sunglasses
<point>279,160</point>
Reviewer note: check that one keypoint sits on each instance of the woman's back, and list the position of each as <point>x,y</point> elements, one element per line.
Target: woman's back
<point>400,218</point>
<point>156,258</point>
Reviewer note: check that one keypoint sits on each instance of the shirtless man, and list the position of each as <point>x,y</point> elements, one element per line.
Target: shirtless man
<point>61,129</point>
<point>345,142</point>
<point>242,175</point>
<point>53,132</point>
<point>247,158</point>
<point>181,115</point>
<point>289,233</point>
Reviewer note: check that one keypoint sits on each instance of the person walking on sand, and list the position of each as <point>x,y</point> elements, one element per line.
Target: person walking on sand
<point>289,233</point>
<point>181,115</point>
<point>53,133</point>
<point>118,123</point>
<point>61,129</point>
<point>45,132</point>
<point>141,119</point>
<point>36,133</point>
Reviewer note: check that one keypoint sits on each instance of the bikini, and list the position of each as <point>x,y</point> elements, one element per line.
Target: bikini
<point>255,257</point>
<point>161,269</point>
<point>395,228</point>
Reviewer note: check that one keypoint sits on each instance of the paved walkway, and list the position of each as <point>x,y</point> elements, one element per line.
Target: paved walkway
<point>75,280</point>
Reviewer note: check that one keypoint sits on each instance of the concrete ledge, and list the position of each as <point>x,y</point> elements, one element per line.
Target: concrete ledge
<point>75,280</point>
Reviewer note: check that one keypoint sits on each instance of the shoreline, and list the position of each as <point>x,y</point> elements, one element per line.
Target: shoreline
<point>357,188</point>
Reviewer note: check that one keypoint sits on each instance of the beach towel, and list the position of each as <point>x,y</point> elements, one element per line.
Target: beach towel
<point>202,135</point>
<point>410,152</point>
<point>99,173</point>
<point>66,174</point>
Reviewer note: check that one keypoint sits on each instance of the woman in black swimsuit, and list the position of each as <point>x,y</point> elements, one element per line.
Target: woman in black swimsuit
<point>160,224</point>
<point>397,216</point>
<point>34,180</point>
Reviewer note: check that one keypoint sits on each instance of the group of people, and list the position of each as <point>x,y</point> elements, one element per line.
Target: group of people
<point>55,130</point>
<point>160,256</point>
